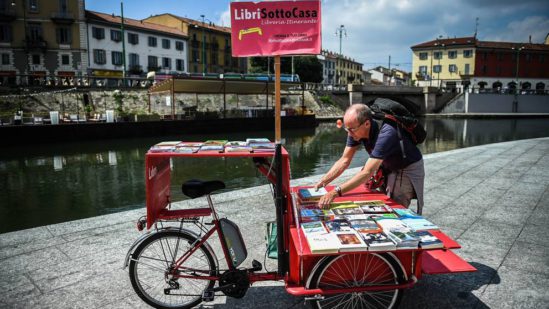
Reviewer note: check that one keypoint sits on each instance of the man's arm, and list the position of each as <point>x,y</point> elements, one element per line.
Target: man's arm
<point>339,167</point>
<point>370,167</point>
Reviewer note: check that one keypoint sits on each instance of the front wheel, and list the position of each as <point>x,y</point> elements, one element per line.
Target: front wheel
<point>354,270</point>
<point>151,271</point>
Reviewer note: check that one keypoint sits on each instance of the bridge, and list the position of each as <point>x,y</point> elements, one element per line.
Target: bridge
<point>419,100</point>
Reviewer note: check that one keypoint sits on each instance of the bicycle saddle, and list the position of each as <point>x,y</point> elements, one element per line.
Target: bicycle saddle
<point>196,188</point>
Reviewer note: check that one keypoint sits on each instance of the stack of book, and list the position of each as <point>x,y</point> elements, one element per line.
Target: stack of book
<point>307,195</point>
<point>319,239</point>
<point>398,232</point>
<point>260,144</point>
<point>237,146</point>
<point>188,147</point>
<point>169,146</point>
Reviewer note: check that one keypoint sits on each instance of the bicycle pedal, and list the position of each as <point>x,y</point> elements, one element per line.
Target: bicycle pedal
<point>208,295</point>
<point>256,266</point>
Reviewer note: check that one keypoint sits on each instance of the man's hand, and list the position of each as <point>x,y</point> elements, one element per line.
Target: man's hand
<point>318,185</point>
<point>327,199</point>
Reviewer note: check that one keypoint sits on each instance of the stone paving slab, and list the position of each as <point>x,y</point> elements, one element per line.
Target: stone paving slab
<point>493,199</point>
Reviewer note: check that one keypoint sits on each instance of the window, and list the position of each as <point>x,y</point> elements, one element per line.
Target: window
<point>452,54</point>
<point>5,59</point>
<point>134,59</point>
<point>452,68</point>
<point>65,60</point>
<point>152,41</point>
<point>437,55</point>
<point>63,35</point>
<point>116,58</point>
<point>195,56</point>
<point>5,33</point>
<point>63,6</point>
<point>467,69</point>
<point>33,6</point>
<point>35,31</point>
<point>179,65</point>
<point>98,33</point>
<point>179,45</point>
<point>423,69</point>
<point>214,59</point>
<point>437,68</point>
<point>133,38</point>
<point>36,59</point>
<point>468,53</point>
<point>99,56</point>
<point>116,35</point>
<point>167,63</point>
<point>165,43</point>
<point>153,63</point>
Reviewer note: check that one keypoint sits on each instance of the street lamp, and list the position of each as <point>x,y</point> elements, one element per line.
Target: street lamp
<point>341,31</point>
<point>515,98</point>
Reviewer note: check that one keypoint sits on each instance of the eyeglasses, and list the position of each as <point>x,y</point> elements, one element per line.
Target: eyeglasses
<point>353,130</point>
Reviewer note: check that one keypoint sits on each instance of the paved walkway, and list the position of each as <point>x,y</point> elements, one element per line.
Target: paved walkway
<point>494,199</point>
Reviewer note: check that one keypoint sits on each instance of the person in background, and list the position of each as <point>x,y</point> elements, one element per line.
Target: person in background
<point>385,144</point>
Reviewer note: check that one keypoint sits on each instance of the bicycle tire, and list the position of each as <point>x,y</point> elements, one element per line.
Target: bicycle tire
<point>351,270</point>
<point>156,246</point>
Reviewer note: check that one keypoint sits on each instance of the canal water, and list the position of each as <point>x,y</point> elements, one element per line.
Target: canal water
<point>46,184</point>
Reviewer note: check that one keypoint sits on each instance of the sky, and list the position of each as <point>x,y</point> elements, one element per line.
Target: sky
<point>379,29</point>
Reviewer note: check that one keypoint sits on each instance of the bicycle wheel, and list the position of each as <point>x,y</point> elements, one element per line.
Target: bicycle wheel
<point>150,270</point>
<point>353,270</point>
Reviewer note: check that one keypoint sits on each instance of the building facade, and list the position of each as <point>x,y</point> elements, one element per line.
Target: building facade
<point>148,47</point>
<point>467,61</point>
<point>209,44</point>
<point>328,61</point>
<point>40,38</point>
<point>345,71</point>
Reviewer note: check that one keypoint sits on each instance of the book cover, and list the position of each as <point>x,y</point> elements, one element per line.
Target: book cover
<point>217,148</point>
<point>371,203</point>
<point>429,241</point>
<point>217,142</point>
<point>257,140</point>
<point>378,242</point>
<point>168,143</point>
<point>354,217</point>
<point>406,213</point>
<point>313,227</point>
<point>350,209</point>
<point>263,147</point>
<point>190,144</point>
<point>236,143</point>
<point>157,149</point>
<point>186,149</point>
<point>418,224</point>
<point>366,226</point>
<point>338,225</point>
<point>323,242</point>
<point>350,241</point>
<point>238,149</point>
<point>390,216</point>
<point>375,209</point>
<point>399,233</point>
<point>311,193</point>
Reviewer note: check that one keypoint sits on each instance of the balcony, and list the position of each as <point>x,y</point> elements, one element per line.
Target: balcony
<point>35,44</point>
<point>62,17</point>
<point>467,75</point>
<point>8,14</point>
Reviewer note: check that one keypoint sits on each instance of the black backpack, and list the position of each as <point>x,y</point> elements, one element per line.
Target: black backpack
<point>397,115</point>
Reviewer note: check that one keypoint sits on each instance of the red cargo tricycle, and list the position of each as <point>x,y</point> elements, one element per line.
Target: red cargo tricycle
<point>174,266</point>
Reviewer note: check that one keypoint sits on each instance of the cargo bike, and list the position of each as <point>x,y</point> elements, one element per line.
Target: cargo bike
<point>174,266</point>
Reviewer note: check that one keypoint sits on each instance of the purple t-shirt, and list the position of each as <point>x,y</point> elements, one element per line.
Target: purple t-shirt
<point>385,144</point>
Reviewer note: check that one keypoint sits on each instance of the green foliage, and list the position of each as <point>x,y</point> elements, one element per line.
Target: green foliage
<point>119,100</point>
<point>325,99</point>
<point>308,68</point>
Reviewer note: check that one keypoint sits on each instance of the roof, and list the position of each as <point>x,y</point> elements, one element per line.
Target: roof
<point>199,85</point>
<point>473,42</point>
<point>206,25</point>
<point>133,23</point>
<point>447,42</point>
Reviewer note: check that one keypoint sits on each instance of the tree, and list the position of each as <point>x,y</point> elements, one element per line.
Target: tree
<point>309,69</point>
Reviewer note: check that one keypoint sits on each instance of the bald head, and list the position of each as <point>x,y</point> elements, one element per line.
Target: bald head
<point>360,112</point>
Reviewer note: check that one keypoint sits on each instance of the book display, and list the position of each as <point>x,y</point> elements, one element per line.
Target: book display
<point>251,145</point>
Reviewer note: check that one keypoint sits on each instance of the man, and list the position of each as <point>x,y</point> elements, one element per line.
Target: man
<point>387,144</point>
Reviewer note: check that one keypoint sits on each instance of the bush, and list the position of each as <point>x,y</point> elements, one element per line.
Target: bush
<point>325,99</point>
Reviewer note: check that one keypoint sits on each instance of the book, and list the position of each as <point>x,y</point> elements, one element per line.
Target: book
<point>375,209</point>
<point>385,216</point>
<point>257,140</point>
<point>190,144</point>
<point>366,226</point>
<point>338,225</point>
<point>414,221</point>
<point>213,148</point>
<point>168,143</point>
<point>168,146</point>
<point>350,241</point>
<point>348,209</point>
<point>263,147</point>
<point>217,142</point>
<point>238,149</point>
<point>429,241</point>
<point>236,143</point>
<point>311,213</point>
<point>311,193</point>
<point>355,217</point>
<point>399,233</point>
<point>406,213</point>
<point>323,242</point>
<point>378,242</point>
<point>313,227</point>
<point>186,149</point>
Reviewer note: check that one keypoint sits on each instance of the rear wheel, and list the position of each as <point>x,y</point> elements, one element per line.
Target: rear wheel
<point>354,270</point>
<point>151,267</point>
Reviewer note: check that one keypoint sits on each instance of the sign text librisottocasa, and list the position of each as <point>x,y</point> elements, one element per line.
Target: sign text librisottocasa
<point>275,28</point>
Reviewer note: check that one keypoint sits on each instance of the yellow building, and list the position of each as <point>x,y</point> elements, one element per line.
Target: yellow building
<point>347,70</point>
<point>444,62</point>
<point>42,38</point>
<point>209,44</point>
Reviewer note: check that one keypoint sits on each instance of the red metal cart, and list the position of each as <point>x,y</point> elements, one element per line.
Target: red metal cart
<point>175,267</point>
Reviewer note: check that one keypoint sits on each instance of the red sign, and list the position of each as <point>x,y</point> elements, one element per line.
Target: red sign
<point>275,28</point>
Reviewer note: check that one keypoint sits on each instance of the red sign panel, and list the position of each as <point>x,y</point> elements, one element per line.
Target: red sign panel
<point>275,28</point>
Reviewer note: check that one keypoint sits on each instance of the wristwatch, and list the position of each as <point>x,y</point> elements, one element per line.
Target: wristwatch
<point>338,190</point>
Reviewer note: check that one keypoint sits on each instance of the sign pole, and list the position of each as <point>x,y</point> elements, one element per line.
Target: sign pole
<point>277,99</point>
